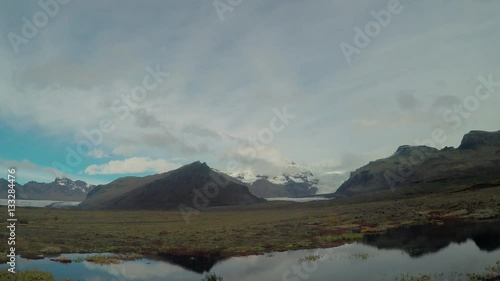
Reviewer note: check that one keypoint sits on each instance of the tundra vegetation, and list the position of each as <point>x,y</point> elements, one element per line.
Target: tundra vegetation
<point>242,230</point>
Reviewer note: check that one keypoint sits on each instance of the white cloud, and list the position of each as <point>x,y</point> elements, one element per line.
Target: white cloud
<point>123,150</point>
<point>132,165</point>
<point>226,78</point>
<point>98,153</point>
<point>134,270</point>
<point>28,171</point>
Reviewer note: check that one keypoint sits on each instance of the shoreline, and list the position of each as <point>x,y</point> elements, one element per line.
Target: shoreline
<point>243,230</point>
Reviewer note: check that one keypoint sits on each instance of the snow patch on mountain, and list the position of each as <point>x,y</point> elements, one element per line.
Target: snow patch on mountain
<point>74,185</point>
<point>291,174</point>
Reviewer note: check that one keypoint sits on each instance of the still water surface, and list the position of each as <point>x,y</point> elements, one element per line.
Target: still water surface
<point>426,249</point>
<point>39,203</point>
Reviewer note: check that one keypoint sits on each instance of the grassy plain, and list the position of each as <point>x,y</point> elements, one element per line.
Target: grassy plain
<point>243,230</point>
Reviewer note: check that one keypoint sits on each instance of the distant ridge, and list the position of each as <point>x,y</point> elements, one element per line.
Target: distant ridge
<point>61,189</point>
<point>169,190</point>
<point>476,159</point>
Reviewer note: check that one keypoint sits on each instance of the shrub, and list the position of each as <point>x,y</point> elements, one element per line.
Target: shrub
<point>311,258</point>
<point>26,276</point>
<point>50,251</point>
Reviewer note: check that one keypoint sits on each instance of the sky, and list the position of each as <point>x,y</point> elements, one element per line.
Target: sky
<point>96,90</point>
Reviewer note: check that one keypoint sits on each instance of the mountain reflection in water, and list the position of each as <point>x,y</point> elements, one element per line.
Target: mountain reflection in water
<point>443,251</point>
<point>420,240</point>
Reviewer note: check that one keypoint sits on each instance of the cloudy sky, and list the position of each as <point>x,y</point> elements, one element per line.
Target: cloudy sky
<point>103,89</point>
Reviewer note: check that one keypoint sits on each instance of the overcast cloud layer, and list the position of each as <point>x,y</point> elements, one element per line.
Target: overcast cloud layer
<point>230,80</point>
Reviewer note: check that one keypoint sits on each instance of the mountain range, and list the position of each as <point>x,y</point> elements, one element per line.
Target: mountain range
<point>474,164</point>
<point>61,189</point>
<point>476,161</point>
<point>293,181</point>
<point>194,186</point>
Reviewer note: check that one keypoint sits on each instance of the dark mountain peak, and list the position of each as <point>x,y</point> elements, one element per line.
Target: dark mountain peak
<point>406,150</point>
<point>477,156</point>
<point>61,189</point>
<point>180,187</point>
<point>476,139</point>
<point>62,180</point>
<point>195,166</point>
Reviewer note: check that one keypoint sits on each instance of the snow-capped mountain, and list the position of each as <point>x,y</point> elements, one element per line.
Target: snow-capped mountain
<point>74,185</point>
<point>295,179</point>
<point>61,189</point>
<point>292,172</point>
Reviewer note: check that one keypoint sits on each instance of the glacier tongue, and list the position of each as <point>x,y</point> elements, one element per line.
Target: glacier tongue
<point>294,174</point>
